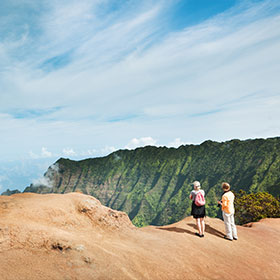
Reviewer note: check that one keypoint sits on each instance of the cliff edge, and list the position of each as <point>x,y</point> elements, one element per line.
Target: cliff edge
<point>73,236</point>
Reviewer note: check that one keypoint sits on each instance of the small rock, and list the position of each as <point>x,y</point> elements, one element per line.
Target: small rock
<point>80,248</point>
<point>87,260</point>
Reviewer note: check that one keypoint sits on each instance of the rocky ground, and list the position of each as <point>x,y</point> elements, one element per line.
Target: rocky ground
<point>72,236</point>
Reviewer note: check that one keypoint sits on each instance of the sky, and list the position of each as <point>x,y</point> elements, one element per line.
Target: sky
<point>83,78</point>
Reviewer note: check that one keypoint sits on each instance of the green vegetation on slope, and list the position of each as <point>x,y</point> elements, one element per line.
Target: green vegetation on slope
<point>255,206</point>
<point>153,184</point>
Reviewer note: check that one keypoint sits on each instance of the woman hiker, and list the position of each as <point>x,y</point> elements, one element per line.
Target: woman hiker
<point>198,208</point>
<point>228,212</point>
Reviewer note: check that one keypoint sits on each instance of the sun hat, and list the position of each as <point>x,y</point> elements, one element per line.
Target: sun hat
<point>226,186</point>
<point>196,184</point>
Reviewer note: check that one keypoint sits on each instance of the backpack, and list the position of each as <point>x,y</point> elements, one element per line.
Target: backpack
<point>199,199</point>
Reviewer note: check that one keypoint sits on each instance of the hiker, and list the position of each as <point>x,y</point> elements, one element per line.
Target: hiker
<point>228,212</point>
<point>198,207</point>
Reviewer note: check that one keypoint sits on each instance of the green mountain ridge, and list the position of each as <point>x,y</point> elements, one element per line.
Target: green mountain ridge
<point>152,184</point>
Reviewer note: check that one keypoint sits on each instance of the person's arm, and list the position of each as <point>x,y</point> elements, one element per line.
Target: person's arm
<point>220,201</point>
<point>191,196</point>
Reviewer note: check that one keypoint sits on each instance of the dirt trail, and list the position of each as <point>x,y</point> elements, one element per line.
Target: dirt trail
<point>72,236</point>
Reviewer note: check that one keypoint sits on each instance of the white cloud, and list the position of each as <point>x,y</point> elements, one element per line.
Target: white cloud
<point>46,180</point>
<point>176,143</point>
<point>55,167</point>
<point>18,174</point>
<point>45,153</point>
<point>69,152</point>
<point>89,152</point>
<point>43,181</point>
<point>141,142</point>
<point>33,155</point>
<point>217,79</point>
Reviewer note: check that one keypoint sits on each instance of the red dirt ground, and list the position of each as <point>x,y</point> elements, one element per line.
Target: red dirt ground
<point>72,236</point>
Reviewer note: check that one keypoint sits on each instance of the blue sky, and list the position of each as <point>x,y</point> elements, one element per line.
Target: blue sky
<point>83,78</point>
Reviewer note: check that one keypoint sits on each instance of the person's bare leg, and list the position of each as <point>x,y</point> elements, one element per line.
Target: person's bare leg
<point>202,225</point>
<point>198,225</point>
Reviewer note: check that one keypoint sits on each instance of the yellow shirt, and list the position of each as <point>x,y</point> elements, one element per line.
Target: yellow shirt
<point>227,202</point>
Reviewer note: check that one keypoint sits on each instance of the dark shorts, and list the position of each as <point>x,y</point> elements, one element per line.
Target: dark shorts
<point>198,211</point>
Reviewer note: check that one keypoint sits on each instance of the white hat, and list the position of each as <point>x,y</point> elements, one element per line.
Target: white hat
<point>196,184</point>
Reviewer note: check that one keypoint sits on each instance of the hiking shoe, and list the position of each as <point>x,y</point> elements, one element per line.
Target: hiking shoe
<point>227,238</point>
<point>235,238</point>
<point>197,234</point>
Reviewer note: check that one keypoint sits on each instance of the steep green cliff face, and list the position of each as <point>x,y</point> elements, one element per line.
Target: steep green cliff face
<point>153,184</point>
